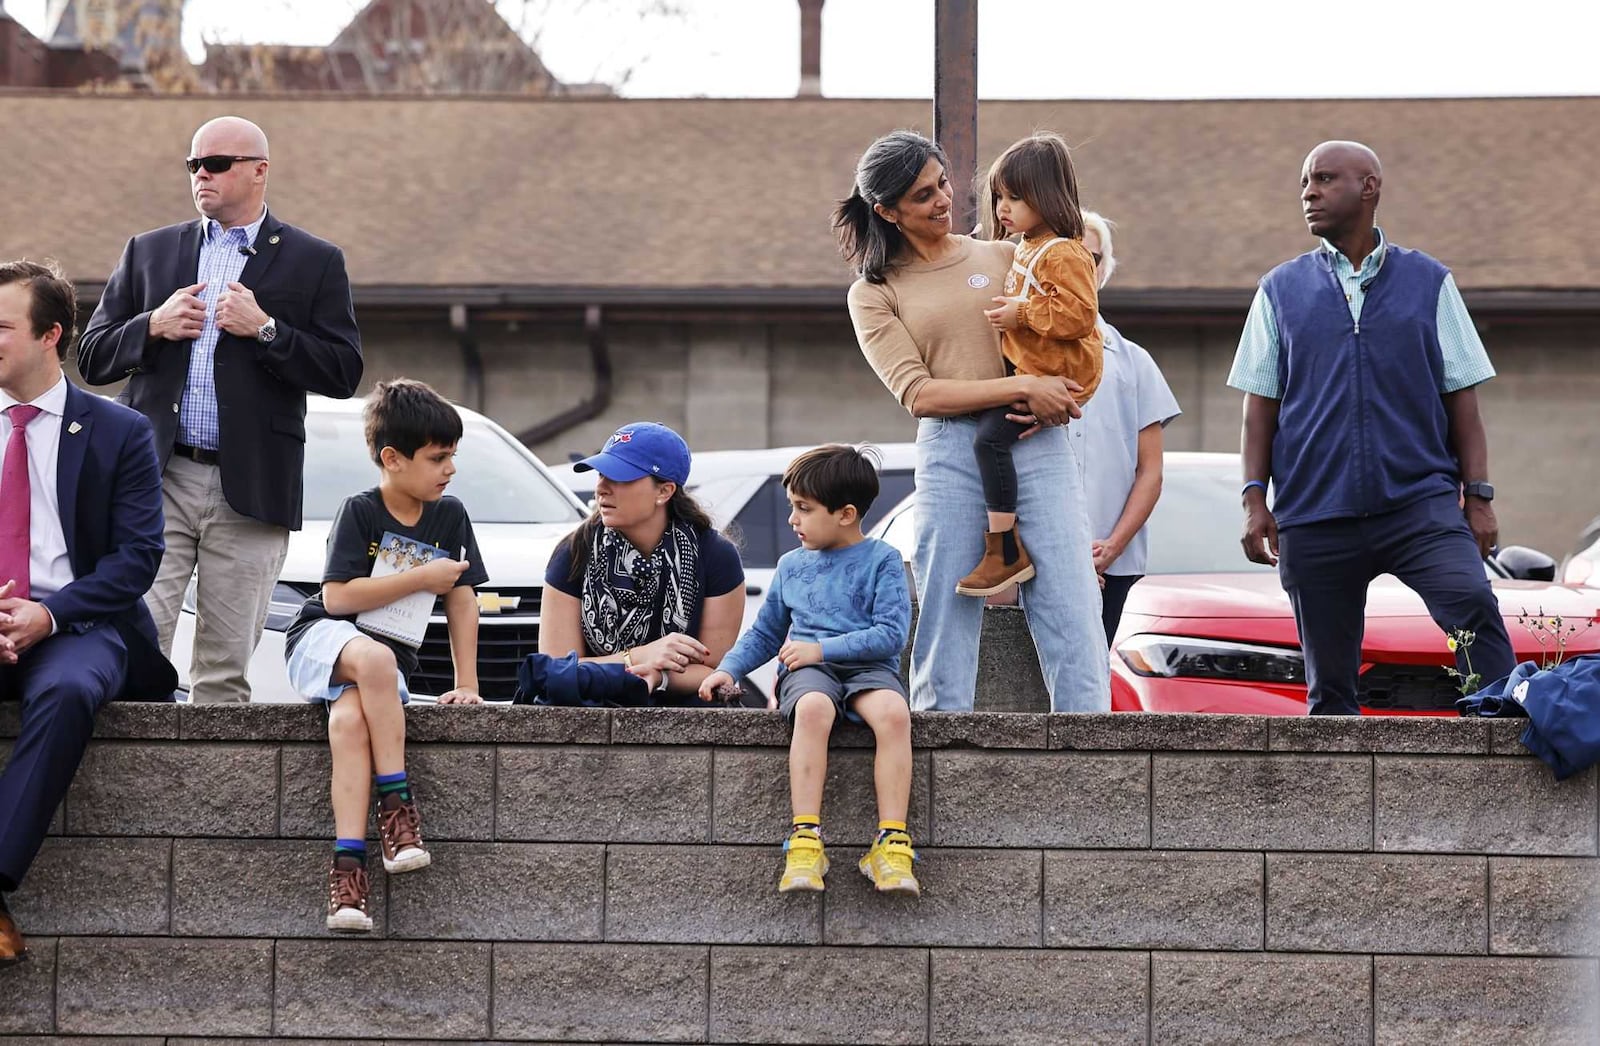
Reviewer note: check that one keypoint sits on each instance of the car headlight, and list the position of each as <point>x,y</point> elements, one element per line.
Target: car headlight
<point>281,609</point>
<point>1193,658</point>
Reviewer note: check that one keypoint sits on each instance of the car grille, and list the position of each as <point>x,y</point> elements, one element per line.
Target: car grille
<point>504,639</point>
<point>1408,688</point>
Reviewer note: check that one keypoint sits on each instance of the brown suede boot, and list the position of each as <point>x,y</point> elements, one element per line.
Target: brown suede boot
<point>1005,563</point>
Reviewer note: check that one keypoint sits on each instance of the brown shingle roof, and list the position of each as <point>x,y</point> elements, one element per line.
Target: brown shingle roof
<point>686,195</point>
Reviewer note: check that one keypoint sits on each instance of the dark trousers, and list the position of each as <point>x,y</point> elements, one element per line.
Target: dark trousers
<point>992,447</point>
<point>1112,599</point>
<point>1325,568</point>
<point>62,682</point>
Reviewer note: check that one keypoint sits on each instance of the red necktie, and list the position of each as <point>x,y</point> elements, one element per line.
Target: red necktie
<point>15,502</point>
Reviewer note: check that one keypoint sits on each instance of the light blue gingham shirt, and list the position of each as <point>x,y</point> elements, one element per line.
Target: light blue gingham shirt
<point>221,263</point>
<point>1255,365</point>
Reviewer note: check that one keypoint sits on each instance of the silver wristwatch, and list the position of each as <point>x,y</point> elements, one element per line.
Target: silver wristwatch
<point>268,331</point>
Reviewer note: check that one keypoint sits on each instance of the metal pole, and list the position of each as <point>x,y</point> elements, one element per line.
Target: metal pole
<point>955,99</point>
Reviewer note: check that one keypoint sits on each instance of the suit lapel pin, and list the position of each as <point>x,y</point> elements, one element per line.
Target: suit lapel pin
<point>273,238</point>
<point>74,429</point>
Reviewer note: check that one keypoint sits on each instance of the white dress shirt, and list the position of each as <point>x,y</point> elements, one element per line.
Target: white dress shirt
<point>49,569</point>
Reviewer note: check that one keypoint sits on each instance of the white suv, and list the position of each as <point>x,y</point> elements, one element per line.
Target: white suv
<point>518,510</point>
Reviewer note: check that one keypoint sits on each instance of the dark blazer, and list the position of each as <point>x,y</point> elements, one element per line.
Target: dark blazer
<point>300,282</point>
<point>108,487</point>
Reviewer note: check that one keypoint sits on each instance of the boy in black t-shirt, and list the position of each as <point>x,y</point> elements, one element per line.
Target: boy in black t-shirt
<point>338,658</point>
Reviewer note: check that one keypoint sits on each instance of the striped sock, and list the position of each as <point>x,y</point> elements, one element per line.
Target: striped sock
<point>350,850</point>
<point>807,823</point>
<point>394,784</point>
<point>885,827</point>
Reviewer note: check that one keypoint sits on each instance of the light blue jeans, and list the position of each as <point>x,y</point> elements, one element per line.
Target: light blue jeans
<point>1062,602</point>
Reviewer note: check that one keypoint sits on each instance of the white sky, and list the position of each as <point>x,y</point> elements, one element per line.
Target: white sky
<point>1109,48</point>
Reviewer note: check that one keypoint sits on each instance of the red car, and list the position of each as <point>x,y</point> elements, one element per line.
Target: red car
<point>1209,631</point>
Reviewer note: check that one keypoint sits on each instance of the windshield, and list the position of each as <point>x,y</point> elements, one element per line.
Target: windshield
<point>1196,525</point>
<point>493,479</point>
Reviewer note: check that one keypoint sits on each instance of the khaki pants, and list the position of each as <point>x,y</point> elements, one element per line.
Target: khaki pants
<point>238,559</point>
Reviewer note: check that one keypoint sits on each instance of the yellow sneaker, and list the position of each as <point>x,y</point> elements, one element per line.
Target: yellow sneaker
<point>888,865</point>
<point>804,863</point>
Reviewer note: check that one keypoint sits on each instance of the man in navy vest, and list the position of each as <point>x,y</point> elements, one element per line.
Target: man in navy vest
<point>1359,366</point>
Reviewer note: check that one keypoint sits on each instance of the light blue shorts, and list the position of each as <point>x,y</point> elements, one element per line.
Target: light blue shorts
<point>312,660</point>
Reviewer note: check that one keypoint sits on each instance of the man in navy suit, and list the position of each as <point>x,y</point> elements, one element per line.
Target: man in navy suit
<point>80,540</point>
<point>221,326</point>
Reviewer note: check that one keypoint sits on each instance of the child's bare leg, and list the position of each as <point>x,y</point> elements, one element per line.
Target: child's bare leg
<point>808,752</point>
<point>887,713</point>
<point>999,522</point>
<point>352,766</point>
<point>371,667</point>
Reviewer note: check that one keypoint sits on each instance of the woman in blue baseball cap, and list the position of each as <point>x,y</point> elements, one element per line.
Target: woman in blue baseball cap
<point>646,580</point>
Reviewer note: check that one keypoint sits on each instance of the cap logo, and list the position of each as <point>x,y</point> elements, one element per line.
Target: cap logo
<point>622,436</point>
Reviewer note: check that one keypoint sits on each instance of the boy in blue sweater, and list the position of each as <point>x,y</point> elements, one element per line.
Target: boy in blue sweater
<point>837,617</point>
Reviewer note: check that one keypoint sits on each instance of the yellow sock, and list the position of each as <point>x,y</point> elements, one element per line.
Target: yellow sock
<point>885,827</point>
<point>807,823</point>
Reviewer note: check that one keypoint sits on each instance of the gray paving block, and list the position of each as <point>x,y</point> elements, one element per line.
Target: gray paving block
<point>706,894</point>
<point>453,785</point>
<point>1437,1001</point>
<point>1172,899</point>
<point>252,722</point>
<point>980,730</point>
<point>819,995</point>
<point>609,992</point>
<point>1544,906</point>
<point>1008,665</point>
<point>496,723</point>
<point>145,986</point>
<point>1392,734</point>
<point>1486,805</point>
<point>1030,998</point>
<point>1159,732</point>
<point>973,898</point>
<point>500,892</point>
<point>1262,802</point>
<point>82,887</point>
<point>204,789</point>
<point>138,720</point>
<point>699,726</point>
<point>1252,999</point>
<point>751,803</point>
<point>1505,736</point>
<point>259,888</point>
<point>412,989</point>
<point>1041,799</point>
<point>603,793</point>
<point>1377,903</point>
<point>101,1040</point>
<point>28,988</point>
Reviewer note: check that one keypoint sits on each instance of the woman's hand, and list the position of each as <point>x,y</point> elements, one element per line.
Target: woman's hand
<point>1051,400</point>
<point>796,654</point>
<point>651,676</point>
<point>673,652</point>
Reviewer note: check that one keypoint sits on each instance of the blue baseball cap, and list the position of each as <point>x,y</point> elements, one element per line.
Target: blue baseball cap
<point>639,449</point>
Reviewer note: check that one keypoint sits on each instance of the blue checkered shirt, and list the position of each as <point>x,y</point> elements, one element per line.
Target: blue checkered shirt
<point>1255,366</point>
<point>220,264</point>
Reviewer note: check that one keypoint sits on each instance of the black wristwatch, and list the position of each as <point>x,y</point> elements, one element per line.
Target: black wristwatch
<point>1482,490</point>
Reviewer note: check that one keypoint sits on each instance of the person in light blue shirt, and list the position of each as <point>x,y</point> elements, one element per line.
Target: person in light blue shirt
<point>1360,368</point>
<point>837,618</point>
<point>1119,440</point>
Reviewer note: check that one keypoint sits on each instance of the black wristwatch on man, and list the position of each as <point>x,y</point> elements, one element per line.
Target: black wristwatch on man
<point>1480,489</point>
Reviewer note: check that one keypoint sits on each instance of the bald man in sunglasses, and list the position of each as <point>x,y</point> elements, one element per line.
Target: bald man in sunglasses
<point>221,326</point>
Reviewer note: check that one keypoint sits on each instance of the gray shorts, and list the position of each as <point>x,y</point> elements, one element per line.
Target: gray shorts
<point>840,682</point>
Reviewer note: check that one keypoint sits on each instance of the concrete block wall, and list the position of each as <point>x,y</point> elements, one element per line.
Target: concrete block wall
<point>610,877</point>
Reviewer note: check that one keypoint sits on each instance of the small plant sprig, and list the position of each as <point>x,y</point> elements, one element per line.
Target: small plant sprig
<point>1552,632</point>
<point>1461,639</point>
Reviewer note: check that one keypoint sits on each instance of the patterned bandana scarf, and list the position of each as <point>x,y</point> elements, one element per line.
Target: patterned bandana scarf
<point>631,598</point>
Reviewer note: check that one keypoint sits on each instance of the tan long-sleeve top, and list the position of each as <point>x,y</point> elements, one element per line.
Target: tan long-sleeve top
<point>927,320</point>
<point>1056,333</point>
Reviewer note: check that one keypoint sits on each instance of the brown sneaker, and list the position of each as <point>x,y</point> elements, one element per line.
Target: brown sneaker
<point>12,947</point>
<point>400,832</point>
<point>347,898</point>
<point>1005,563</point>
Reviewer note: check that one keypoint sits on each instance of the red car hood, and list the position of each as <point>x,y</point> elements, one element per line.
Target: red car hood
<point>1260,595</point>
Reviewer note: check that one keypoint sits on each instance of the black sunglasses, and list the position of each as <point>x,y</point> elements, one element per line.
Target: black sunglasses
<point>215,164</point>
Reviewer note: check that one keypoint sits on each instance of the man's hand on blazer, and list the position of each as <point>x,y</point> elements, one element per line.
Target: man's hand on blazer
<point>238,313</point>
<point>181,316</point>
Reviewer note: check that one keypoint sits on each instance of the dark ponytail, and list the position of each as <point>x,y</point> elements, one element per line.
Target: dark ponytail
<point>889,167</point>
